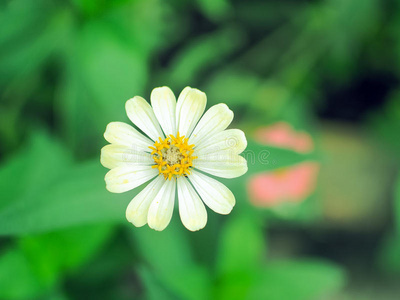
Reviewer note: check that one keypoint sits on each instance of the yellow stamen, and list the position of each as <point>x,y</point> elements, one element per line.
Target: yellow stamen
<point>173,156</point>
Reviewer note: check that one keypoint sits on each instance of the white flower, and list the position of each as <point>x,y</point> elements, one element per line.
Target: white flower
<point>178,148</point>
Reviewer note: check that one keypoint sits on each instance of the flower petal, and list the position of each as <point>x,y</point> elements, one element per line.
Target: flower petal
<point>141,114</point>
<point>115,156</point>
<point>164,105</point>
<point>138,208</point>
<point>125,178</point>
<point>214,194</point>
<point>123,134</point>
<point>190,107</point>
<point>216,119</point>
<point>191,208</point>
<point>222,164</point>
<point>160,211</point>
<point>232,140</point>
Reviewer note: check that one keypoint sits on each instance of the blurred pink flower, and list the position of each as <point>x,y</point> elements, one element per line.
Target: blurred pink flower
<point>283,135</point>
<point>290,184</point>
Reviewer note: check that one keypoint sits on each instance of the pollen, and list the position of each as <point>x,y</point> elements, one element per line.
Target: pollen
<point>173,156</point>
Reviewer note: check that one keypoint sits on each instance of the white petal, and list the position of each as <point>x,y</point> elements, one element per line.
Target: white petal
<point>123,134</point>
<point>216,119</point>
<point>115,156</point>
<point>214,194</point>
<point>160,211</point>
<point>164,105</point>
<point>232,140</point>
<point>190,107</point>
<point>191,208</point>
<point>222,164</point>
<point>125,178</point>
<point>181,97</point>
<point>141,114</point>
<point>138,208</point>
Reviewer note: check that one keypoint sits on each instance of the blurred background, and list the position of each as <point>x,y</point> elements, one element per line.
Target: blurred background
<point>315,86</point>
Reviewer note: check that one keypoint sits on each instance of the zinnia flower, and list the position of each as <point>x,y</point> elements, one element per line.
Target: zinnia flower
<point>283,135</point>
<point>178,148</point>
<point>290,184</point>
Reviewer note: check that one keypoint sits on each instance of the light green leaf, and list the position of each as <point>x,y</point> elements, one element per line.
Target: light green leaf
<point>216,10</point>
<point>155,290</point>
<point>232,87</point>
<point>112,70</point>
<point>240,254</point>
<point>17,279</point>
<point>103,71</point>
<point>53,254</point>
<point>31,168</point>
<point>298,280</point>
<point>170,257</point>
<point>199,55</point>
<point>37,263</point>
<point>245,256</point>
<point>48,193</point>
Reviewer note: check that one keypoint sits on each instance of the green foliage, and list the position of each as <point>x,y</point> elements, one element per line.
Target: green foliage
<point>169,257</point>
<point>68,67</point>
<point>239,256</point>
<point>18,280</point>
<point>389,257</point>
<point>55,193</point>
<point>190,63</point>
<point>306,279</point>
<point>36,263</point>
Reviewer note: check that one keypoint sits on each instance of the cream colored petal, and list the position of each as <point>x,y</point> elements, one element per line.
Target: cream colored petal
<point>222,164</point>
<point>113,156</point>
<point>190,107</point>
<point>160,211</point>
<point>214,194</point>
<point>181,97</point>
<point>123,134</point>
<point>138,208</point>
<point>215,120</point>
<point>125,178</point>
<point>164,105</point>
<point>141,114</point>
<point>232,140</point>
<point>191,208</point>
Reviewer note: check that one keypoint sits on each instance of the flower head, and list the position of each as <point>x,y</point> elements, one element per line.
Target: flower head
<point>177,146</point>
<point>289,184</point>
<point>283,135</point>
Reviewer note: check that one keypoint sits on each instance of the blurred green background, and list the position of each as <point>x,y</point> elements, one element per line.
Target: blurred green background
<point>315,87</point>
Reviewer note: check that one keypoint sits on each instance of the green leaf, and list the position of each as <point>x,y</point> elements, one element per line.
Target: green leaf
<point>17,279</point>
<point>298,280</point>
<point>216,10</point>
<point>79,197</point>
<point>38,263</point>
<point>199,55</point>
<point>112,70</point>
<point>48,193</point>
<point>389,258</point>
<point>244,256</point>
<point>233,87</point>
<point>154,289</point>
<point>170,258</point>
<point>397,206</point>
<point>262,158</point>
<point>240,253</point>
<point>26,47</point>
<point>30,169</point>
<point>53,254</point>
<point>103,71</point>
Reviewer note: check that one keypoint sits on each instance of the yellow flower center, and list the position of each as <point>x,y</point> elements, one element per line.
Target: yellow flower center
<point>173,156</point>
